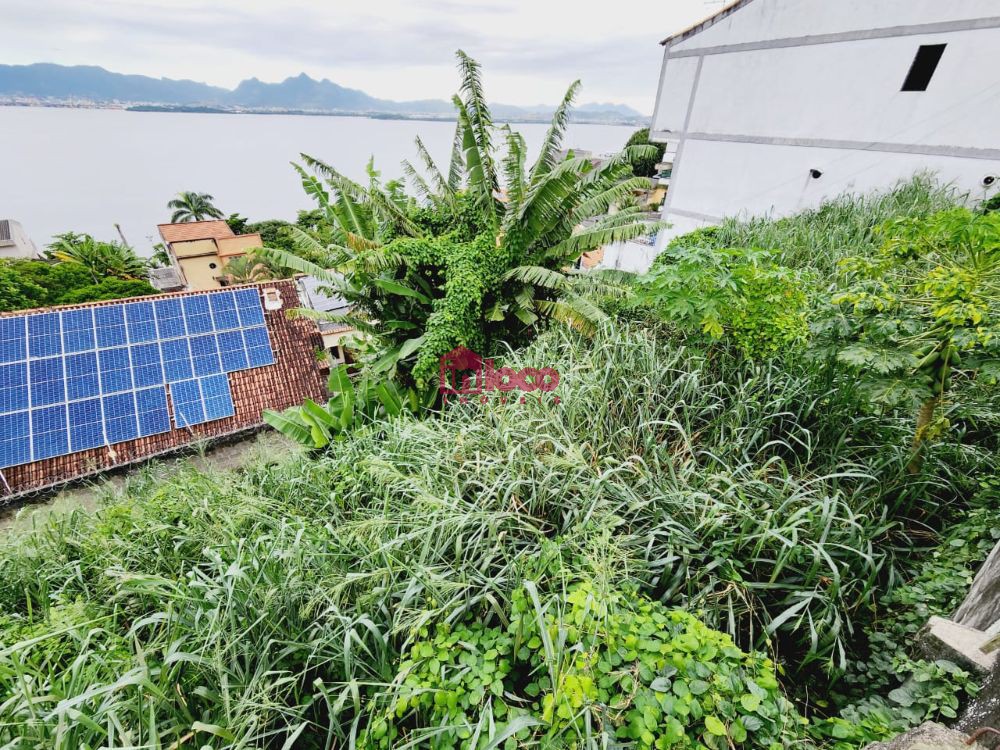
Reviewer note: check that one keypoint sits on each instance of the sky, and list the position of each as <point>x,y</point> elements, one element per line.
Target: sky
<point>531,50</point>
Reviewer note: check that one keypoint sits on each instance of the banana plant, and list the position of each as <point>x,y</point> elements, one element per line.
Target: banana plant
<point>350,407</point>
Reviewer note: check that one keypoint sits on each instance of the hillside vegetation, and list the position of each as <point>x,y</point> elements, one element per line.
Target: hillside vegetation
<point>773,457</point>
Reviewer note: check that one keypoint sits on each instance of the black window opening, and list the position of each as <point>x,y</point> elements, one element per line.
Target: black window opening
<point>923,67</point>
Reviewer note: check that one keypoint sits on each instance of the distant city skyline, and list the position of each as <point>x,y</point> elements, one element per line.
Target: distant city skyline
<point>530,49</point>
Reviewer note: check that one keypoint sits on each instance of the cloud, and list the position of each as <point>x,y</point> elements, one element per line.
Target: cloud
<point>400,49</point>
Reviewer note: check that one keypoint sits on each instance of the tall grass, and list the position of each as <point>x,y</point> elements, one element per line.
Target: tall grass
<point>264,608</point>
<point>818,238</point>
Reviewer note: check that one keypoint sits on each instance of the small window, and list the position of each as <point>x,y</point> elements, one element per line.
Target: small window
<point>923,67</point>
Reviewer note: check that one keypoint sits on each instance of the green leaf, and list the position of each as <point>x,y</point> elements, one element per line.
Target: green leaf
<point>714,726</point>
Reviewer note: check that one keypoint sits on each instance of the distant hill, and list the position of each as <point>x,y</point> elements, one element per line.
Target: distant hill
<point>300,93</point>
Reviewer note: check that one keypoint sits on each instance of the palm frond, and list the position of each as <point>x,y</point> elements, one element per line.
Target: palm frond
<point>442,188</point>
<point>480,119</point>
<point>574,311</point>
<point>285,259</point>
<point>589,239</point>
<point>553,138</point>
<point>538,276</point>
<point>456,168</point>
<point>513,167</point>
<point>417,181</point>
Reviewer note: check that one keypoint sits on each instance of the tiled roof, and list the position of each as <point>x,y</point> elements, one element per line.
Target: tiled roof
<point>195,230</point>
<point>706,22</point>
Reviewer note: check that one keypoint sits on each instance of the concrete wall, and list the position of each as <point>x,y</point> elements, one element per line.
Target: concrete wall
<point>199,273</point>
<point>295,376</point>
<point>19,245</point>
<point>776,88</point>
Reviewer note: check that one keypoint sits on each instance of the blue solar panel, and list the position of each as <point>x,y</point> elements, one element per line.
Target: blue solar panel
<point>154,417</point>
<point>258,345</point>
<point>13,387</point>
<point>218,397</point>
<point>205,355</point>
<point>15,447</point>
<point>110,324</point>
<point>188,407</point>
<point>197,315</point>
<point>169,318</point>
<point>44,335</point>
<point>79,379</point>
<point>147,368</point>
<point>176,360</point>
<point>140,322</point>
<point>250,310</point>
<point>48,386</point>
<point>13,340</point>
<point>120,420</point>
<point>224,313</point>
<point>115,370</point>
<point>82,380</point>
<point>232,351</point>
<point>78,330</point>
<point>48,432</point>
<point>86,425</point>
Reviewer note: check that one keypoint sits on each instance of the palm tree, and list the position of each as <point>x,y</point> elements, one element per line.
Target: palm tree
<point>247,269</point>
<point>100,259</point>
<point>191,206</point>
<point>502,259</point>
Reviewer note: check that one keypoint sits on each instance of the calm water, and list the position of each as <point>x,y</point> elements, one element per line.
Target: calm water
<point>85,170</point>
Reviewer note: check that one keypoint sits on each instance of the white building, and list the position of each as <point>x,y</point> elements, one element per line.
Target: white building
<point>771,106</point>
<point>14,243</point>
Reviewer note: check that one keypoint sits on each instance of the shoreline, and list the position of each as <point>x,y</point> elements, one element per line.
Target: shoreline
<point>214,110</point>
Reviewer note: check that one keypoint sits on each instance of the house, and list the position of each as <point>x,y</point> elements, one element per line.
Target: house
<point>201,250</point>
<point>14,243</point>
<point>315,295</point>
<point>771,106</point>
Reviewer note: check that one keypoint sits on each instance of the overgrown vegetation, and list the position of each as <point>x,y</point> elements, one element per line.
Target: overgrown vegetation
<point>717,538</point>
<point>480,260</point>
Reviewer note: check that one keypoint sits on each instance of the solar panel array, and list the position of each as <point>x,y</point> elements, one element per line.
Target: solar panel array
<point>73,380</point>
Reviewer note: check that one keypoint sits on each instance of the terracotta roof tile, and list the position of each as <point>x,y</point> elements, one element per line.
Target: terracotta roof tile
<point>195,230</point>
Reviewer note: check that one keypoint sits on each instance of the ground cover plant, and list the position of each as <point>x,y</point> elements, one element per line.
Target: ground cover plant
<point>294,604</point>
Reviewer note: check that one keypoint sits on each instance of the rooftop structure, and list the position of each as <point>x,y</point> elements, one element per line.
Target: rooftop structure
<point>201,250</point>
<point>14,243</point>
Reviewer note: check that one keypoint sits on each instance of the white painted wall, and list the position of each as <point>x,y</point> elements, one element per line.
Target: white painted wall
<point>20,244</point>
<point>764,114</point>
<point>777,19</point>
<point>627,256</point>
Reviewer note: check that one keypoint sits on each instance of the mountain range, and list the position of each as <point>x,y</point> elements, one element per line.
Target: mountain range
<point>60,83</point>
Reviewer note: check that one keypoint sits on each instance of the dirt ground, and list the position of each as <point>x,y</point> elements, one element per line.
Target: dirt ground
<point>21,514</point>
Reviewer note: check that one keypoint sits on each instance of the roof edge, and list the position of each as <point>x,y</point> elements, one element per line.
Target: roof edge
<point>705,23</point>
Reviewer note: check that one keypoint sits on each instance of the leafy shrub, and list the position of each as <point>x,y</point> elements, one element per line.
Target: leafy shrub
<point>927,306</point>
<point>734,293</point>
<point>590,667</point>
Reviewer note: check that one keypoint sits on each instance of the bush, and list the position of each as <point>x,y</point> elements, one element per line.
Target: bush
<point>605,667</point>
<point>729,293</point>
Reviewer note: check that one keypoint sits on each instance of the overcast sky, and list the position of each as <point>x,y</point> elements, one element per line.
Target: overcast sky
<point>394,49</point>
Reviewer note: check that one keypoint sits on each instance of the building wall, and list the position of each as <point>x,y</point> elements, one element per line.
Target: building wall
<point>193,247</point>
<point>749,105</point>
<point>295,376</point>
<point>199,273</point>
<point>19,245</point>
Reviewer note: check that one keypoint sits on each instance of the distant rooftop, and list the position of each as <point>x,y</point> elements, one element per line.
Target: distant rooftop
<point>166,279</point>
<point>195,230</point>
